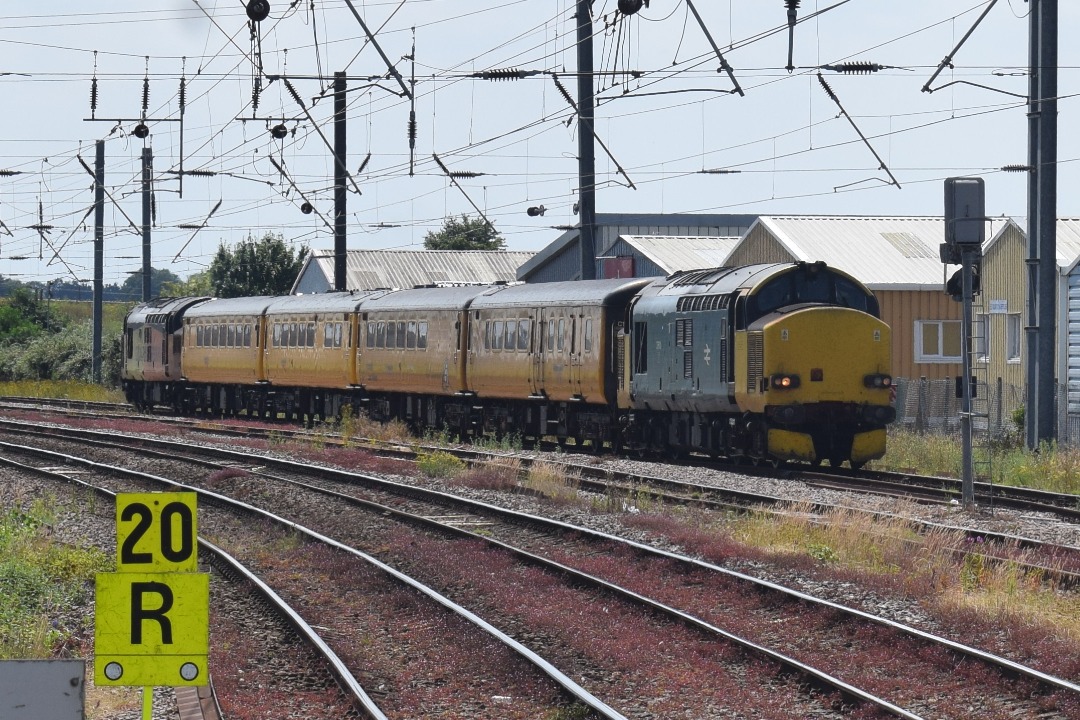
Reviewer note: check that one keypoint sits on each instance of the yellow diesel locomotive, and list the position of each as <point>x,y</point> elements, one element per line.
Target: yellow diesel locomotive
<point>769,362</point>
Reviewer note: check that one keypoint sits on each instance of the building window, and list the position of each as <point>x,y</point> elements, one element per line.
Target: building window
<point>1012,337</point>
<point>937,341</point>
<point>981,337</point>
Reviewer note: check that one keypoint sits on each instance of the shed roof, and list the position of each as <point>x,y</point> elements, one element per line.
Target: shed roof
<point>885,253</point>
<point>373,269</point>
<point>1067,232</point>
<point>682,252</point>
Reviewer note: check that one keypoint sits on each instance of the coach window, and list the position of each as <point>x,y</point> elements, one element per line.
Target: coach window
<point>551,336</point>
<point>380,335</point>
<point>371,335</point>
<point>588,335</point>
<point>328,335</point>
<point>497,335</point>
<point>400,335</point>
<point>559,343</point>
<point>198,336</point>
<point>311,335</point>
<point>230,335</point>
<point>277,335</point>
<point>339,330</point>
<point>223,331</point>
<point>410,335</point>
<point>247,336</point>
<point>511,335</point>
<point>523,335</point>
<point>421,335</point>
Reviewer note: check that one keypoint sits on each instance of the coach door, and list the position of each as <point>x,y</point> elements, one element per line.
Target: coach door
<point>575,322</point>
<point>537,345</point>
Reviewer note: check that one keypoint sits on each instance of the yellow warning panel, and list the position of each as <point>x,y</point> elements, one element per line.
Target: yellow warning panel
<point>152,629</point>
<point>156,532</point>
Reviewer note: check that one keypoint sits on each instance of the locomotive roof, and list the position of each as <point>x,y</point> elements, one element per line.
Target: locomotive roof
<point>143,312</point>
<point>426,298</point>
<point>721,281</point>
<point>573,292</point>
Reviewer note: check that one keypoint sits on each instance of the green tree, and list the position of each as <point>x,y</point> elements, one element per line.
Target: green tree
<point>256,267</point>
<point>465,233</point>
<point>132,287</point>
<point>24,316</point>
<point>196,284</point>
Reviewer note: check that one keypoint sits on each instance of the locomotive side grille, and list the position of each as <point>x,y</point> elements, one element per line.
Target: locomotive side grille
<point>688,364</point>
<point>684,333</point>
<point>755,360</point>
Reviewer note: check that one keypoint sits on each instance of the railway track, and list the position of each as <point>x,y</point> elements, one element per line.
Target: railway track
<point>443,519</point>
<point>1058,563</point>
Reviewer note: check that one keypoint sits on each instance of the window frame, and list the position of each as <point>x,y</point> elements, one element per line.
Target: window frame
<point>939,358</point>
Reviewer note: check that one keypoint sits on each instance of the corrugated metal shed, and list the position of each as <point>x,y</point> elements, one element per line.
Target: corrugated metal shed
<point>373,269</point>
<point>665,254</point>
<point>561,259</point>
<point>885,253</point>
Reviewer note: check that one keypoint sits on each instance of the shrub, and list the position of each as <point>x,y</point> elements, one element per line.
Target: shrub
<point>440,465</point>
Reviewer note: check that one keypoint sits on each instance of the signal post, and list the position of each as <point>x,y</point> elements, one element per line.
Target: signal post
<point>152,616</point>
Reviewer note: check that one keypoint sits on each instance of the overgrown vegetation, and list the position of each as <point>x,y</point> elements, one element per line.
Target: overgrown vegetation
<point>944,570</point>
<point>39,579</point>
<point>1052,468</point>
<point>48,341</point>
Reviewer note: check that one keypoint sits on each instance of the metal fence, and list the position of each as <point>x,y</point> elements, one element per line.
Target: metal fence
<point>932,406</point>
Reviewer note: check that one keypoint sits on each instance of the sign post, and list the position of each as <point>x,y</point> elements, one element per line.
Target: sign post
<point>152,619</point>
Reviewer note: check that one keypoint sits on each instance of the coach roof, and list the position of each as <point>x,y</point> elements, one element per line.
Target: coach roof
<point>573,292</point>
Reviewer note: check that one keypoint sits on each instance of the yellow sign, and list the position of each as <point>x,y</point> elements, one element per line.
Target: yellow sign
<point>156,532</point>
<point>152,629</point>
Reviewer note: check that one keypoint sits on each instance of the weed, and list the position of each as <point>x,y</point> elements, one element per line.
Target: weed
<point>440,465</point>
<point>553,482</point>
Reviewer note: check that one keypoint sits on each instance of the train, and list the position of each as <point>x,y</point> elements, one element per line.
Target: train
<point>764,363</point>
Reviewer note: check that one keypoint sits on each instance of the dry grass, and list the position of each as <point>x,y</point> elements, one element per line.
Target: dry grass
<point>61,389</point>
<point>1001,605</point>
<point>553,482</point>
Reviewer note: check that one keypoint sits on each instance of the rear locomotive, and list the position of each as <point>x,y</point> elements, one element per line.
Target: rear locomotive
<point>768,362</point>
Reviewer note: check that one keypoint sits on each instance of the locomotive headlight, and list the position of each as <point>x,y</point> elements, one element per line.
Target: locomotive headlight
<point>878,381</point>
<point>782,381</point>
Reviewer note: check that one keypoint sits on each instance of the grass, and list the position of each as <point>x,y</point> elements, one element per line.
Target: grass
<point>38,580</point>
<point>61,389</point>
<point>1052,468</point>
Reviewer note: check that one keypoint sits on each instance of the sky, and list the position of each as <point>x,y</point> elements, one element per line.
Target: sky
<point>666,112</point>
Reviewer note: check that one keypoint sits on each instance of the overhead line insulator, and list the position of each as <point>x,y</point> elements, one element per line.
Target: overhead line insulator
<point>505,74</point>
<point>854,68</point>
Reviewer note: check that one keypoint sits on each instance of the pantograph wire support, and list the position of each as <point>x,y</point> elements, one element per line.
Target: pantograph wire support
<point>371,38</point>
<point>94,90</point>
<point>881,163</point>
<point>792,18</point>
<point>455,183</point>
<point>412,109</point>
<point>723,63</point>
<point>196,228</point>
<point>339,161</point>
<point>589,127</point>
<point>947,62</point>
<point>134,228</point>
<point>285,175</point>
